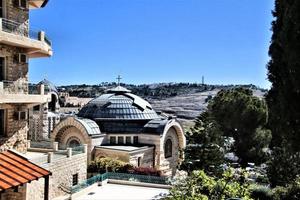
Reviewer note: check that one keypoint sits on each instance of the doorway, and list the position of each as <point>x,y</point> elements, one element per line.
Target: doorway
<point>2,67</point>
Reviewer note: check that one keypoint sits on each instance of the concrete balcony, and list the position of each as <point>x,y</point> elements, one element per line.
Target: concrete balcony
<point>36,43</point>
<point>16,92</point>
<point>34,4</point>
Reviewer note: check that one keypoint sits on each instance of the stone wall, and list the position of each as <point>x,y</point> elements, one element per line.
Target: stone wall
<point>62,170</point>
<point>20,15</point>
<point>146,157</point>
<point>14,71</point>
<point>11,194</point>
<point>169,165</point>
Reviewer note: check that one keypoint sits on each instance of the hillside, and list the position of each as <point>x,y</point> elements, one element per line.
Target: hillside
<point>184,100</point>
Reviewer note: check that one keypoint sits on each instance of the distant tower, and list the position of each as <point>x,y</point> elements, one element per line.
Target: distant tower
<point>202,80</point>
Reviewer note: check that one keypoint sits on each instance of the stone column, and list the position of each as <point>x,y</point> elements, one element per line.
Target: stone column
<point>50,157</point>
<point>55,146</point>
<point>69,152</point>
<point>85,148</point>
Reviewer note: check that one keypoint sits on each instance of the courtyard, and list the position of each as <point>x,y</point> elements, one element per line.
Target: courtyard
<point>124,192</point>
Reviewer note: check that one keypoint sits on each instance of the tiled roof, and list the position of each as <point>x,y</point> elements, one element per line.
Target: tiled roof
<point>16,170</point>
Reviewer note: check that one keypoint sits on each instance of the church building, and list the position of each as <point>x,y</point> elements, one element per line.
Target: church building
<point>121,125</point>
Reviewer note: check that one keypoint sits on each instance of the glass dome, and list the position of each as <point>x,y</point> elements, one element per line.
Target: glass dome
<point>118,104</point>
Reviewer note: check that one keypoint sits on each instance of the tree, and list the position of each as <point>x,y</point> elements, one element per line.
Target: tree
<point>284,72</point>
<point>203,187</point>
<point>284,96</point>
<point>242,116</point>
<point>205,148</point>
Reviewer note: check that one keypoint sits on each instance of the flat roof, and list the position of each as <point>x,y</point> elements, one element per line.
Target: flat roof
<point>123,147</point>
<point>123,192</point>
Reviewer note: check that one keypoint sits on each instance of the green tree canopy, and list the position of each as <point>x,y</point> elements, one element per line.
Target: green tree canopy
<point>242,116</point>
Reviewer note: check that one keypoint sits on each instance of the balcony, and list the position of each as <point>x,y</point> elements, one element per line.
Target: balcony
<point>17,34</point>
<point>16,92</point>
<point>33,4</point>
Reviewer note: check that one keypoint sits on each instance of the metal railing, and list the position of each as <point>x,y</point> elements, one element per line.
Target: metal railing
<point>119,176</point>
<point>22,29</point>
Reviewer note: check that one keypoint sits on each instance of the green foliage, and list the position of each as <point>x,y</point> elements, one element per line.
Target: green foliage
<point>261,193</point>
<point>102,165</point>
<point>284,72</point>
<point>201,186</point>
<point>205,148</point>
<point>283,167</point>
<point>291,192</point>
<point>243,116</point>
<point>284,97</point>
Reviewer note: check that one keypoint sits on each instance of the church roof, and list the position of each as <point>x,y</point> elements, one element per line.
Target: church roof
<point>90,126</point>
<point>49,86</point>
<point>118,104</point>
<point>156,126</point>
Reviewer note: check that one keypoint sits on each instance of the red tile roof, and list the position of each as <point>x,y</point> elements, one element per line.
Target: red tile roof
<point>16,170</point>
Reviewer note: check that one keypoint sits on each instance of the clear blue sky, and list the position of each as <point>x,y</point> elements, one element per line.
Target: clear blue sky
<point>149,41</point>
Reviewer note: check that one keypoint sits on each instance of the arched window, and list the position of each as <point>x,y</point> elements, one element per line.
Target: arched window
<point>168,148</point>
<point>73,143</point>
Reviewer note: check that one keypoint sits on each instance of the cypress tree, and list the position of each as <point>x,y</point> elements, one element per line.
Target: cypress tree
<point>284,73</point>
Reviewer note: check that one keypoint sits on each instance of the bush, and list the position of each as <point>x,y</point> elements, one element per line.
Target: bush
<point>145,171</point>
<point>261,193</point>
<point>102,165</point>
<point>201,186</point>
<point>291,192</point>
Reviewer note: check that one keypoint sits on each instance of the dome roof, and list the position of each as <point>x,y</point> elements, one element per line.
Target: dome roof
<point>49,86</point>
<point>118,104</point>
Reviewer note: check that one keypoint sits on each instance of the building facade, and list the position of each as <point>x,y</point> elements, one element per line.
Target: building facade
<point>28,172</point>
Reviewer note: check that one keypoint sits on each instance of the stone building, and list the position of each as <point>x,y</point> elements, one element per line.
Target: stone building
<point>122,125</point>
<point>28,172</point>
<point>44,117</point>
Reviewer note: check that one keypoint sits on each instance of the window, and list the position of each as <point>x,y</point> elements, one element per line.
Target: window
<point>2,123</point>
<point>20,3</point>
<point>73,143</point>
<point>1,8</point>
<point>168,148</point>
<point>75,179</point>
<point>112,140</point>
<point>135,139</point>
<point>120,140</point>
<point>139,161</point>
<point>2,69</point>
<point>36,108</point>
<point>128,140</point>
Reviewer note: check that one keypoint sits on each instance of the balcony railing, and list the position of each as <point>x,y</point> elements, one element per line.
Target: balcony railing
<point>13,87</point>
<point>20,87</point>
<point>22,29</point>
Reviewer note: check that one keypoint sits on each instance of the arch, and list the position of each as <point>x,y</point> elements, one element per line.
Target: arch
<point>53,104</point>
<point>172,141</point>
<point>179,132</point>
<point>61,129</point>
<point>73,142</point>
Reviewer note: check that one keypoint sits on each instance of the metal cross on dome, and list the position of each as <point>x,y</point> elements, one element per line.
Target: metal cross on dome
<point>119,79</point>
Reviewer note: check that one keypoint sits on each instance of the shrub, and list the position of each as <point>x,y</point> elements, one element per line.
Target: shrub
<point>145,171</point>
<point>201,186</point>
<point>291,192</point>
<point>102,165</point>
<point>261,193</point>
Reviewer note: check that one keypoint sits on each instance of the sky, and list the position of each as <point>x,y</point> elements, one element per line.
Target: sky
<point>151,41</point>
